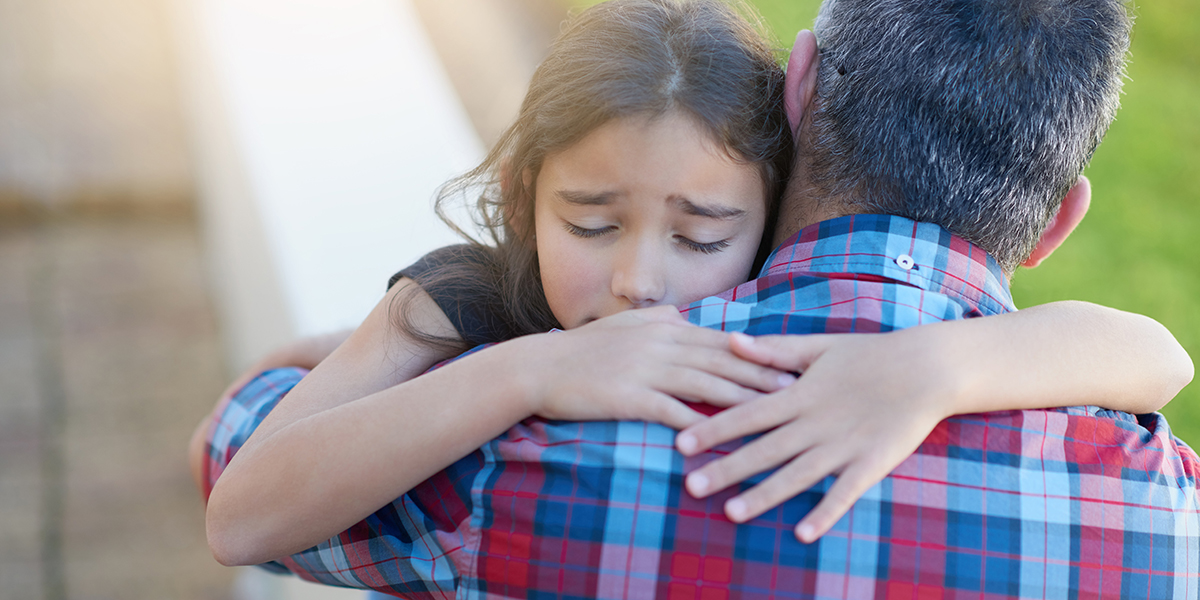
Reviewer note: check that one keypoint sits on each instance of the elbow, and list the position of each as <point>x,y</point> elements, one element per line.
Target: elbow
<point>225,553</point>
<point>1184,371</point>
<point>233,551</point>
<point>232,542</point>
<point>228,549</point>
<point>1178,369</point>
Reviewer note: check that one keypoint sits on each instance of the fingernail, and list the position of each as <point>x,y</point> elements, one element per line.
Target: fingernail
<point>806,533</point>
<point>697,484</point>
<point>687,443</point>
<point>736,509</point>
<point>786,379</point>
<point>743,338</point>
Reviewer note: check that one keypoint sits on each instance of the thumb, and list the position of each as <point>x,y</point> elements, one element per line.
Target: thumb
<point>784,352</point>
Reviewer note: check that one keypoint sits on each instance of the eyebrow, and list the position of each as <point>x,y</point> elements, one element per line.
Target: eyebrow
<point>714,211</point>
<point>585,198</point>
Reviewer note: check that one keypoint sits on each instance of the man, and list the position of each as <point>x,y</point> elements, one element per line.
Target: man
<point>937,140</point>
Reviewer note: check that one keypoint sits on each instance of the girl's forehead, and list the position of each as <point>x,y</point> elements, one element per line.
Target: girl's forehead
<point>670,160</point>
<point>672,133</point>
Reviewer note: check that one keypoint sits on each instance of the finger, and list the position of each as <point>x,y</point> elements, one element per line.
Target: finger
<point>659,314</point>
<point>786,352</point>
<point>854,481</point>
<point>690,335</point>
<point>767,452</point>
<point>762,414</point>
<point>640,317</point>
<point>724,364</point>
<point>699,386</point>
<point>661,408</point>
<point>795,477</point>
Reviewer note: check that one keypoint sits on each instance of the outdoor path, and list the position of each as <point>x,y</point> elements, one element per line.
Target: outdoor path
<point>110,351</point>
<point>109,356</point>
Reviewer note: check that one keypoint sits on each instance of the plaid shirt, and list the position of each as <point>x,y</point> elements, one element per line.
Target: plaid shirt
<point>1068,503</point>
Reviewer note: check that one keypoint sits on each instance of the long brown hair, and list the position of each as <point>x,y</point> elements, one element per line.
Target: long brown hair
<point>617,59</point>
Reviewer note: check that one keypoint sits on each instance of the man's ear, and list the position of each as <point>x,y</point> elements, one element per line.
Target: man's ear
<point>800,82</point>
<point>1073,208</point>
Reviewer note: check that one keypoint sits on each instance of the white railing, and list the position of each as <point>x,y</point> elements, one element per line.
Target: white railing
<point>321,129</point>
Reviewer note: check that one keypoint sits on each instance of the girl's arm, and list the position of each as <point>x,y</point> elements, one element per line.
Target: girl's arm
<point>304,353</point>
<point>865,402</point>
<point>373,357</point>
<point>327,464</point>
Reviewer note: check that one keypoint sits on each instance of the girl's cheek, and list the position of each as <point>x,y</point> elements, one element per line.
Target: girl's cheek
<point>572,277</point>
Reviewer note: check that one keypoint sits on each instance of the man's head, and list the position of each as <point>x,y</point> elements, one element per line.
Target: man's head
<point>978,115</point>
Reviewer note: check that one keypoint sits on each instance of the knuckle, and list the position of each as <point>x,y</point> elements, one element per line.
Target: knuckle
<point>728,391</point>
<point>663,409</point>
<point>764,454</point>
<point>715,431</point>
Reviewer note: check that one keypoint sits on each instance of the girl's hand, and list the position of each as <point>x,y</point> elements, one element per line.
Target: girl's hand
<point>639,365</point>
<point>863,405</point>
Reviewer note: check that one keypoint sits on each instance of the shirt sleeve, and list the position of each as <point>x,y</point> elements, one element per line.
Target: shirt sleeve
<point>237,418</point>
<point>413,546</point>
<point>472,305</point>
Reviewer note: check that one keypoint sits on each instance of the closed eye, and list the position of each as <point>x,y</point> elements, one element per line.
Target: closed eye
<point>578,231</point>
<point>709,248</point>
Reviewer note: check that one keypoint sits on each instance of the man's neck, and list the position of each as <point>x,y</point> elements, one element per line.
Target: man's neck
<point>803,205</point>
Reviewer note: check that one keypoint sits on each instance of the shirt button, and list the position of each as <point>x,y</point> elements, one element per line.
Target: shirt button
<point>905,262</point>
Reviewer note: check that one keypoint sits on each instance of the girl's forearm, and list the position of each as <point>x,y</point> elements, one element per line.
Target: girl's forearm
<point>1058,354</point>
<point>321,474</point>
<point>374,357</point>
<point>305,353</point>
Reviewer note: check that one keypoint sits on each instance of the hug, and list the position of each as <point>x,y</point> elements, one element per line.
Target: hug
<point>653,378</point>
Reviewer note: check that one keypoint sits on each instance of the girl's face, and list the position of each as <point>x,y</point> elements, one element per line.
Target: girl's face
<point>644,212</point>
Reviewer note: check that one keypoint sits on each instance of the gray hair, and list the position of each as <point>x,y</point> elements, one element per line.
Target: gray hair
<point>977,115</point>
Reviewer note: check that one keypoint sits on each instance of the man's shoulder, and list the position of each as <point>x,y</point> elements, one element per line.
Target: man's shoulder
<point>1076,439</point>
<point>861,273</point>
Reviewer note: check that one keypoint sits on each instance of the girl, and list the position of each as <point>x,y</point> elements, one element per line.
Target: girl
<point>640,173</point>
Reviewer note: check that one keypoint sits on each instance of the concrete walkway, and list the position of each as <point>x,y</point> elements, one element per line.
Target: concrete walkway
<point>110,351</point>
<point>109,355</point>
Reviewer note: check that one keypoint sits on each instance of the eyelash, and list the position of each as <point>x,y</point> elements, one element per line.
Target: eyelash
<point>577,231</point>
<point>709,248</point>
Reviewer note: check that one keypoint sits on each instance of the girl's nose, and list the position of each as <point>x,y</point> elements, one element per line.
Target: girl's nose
<point>638,277</point>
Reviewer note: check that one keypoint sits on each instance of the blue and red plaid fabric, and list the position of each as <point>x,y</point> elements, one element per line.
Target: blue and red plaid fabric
<point>1069,503</point>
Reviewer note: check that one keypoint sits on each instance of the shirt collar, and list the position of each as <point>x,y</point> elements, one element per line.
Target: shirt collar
<point>923,255</point>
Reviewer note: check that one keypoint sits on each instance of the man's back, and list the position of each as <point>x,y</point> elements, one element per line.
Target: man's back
<point>1059,503</point>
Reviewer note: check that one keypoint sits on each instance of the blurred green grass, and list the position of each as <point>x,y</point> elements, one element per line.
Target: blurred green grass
<point>1137,248</point>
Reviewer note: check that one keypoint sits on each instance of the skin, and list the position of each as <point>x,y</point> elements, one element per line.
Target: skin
<point>362,412</point>
<point>644,212</point>
<point>650,186</point>
<point>1039,357</point>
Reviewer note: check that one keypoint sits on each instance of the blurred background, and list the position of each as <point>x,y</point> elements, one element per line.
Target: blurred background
<point>186,183</point>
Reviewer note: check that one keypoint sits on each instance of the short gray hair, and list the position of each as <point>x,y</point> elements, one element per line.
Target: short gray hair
<point>977,115</point>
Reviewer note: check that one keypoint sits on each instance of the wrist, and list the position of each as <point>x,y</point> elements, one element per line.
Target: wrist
<point>520,375</point>
<point>934,357</point>
<point>955,369</point>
